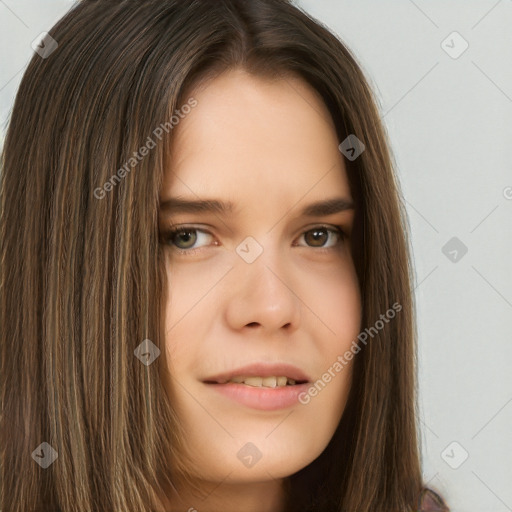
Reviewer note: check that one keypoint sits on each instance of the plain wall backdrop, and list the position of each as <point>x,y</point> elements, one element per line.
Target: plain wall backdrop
<point>442,73</point>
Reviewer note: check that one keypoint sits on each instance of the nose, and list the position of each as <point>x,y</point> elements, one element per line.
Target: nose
<point>262,296</point>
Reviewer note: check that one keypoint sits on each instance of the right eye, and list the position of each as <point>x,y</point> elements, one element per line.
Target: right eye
<point>184,238</point>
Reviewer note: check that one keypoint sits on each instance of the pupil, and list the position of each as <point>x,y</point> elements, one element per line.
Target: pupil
<point>318,236</point>
<point>186,236</point>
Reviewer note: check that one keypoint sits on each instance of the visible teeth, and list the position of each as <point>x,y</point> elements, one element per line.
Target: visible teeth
<point>267,382</point>
<point>270,382</point>
<point>254,381</point>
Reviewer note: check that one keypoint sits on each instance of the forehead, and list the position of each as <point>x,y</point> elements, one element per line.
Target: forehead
<point>250,133</point>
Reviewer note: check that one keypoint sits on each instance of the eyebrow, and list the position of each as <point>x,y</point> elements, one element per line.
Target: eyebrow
<point>317,209</point>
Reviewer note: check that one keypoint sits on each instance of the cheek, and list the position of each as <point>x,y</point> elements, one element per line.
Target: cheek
<point>180,336</point>
<point>336,299</point>
<point>187,307</point>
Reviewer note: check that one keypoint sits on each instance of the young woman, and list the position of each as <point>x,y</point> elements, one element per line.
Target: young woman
<point>205,292</point>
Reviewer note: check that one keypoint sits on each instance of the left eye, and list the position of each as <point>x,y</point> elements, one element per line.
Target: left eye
<point>189,236</point>
<point>317,237</point>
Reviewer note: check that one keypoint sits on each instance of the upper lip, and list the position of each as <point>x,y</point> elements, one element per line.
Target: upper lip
<point>261,370</point>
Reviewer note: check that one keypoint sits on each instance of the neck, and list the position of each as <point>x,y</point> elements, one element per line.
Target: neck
<point>265,496</point>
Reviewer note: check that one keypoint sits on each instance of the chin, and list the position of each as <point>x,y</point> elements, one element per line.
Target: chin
<point>261,455</point>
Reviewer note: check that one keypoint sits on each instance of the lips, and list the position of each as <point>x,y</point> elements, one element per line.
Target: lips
<point>271,375</point>
<point>266,387</point>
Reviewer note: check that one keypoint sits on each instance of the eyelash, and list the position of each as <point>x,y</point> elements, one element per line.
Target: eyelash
<point>168,235</point>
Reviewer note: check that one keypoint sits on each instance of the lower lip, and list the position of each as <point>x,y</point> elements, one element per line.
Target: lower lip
<point>262,398</point>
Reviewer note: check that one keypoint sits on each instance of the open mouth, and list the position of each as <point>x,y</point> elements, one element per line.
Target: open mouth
<point>260,382</point>
<point>263,386</point>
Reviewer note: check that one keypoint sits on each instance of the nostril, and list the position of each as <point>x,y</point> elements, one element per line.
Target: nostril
<point>253,324</point>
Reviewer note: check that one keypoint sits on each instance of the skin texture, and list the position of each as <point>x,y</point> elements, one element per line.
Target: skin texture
<point>271,148</point>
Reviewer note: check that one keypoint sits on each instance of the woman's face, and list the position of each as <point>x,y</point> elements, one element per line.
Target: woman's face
<point>264,291</point>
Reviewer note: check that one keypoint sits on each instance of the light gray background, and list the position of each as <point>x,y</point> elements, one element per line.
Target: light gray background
<point>450,124</point>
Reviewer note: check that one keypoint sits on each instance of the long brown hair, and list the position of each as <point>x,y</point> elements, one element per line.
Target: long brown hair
<point>82,271</point>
